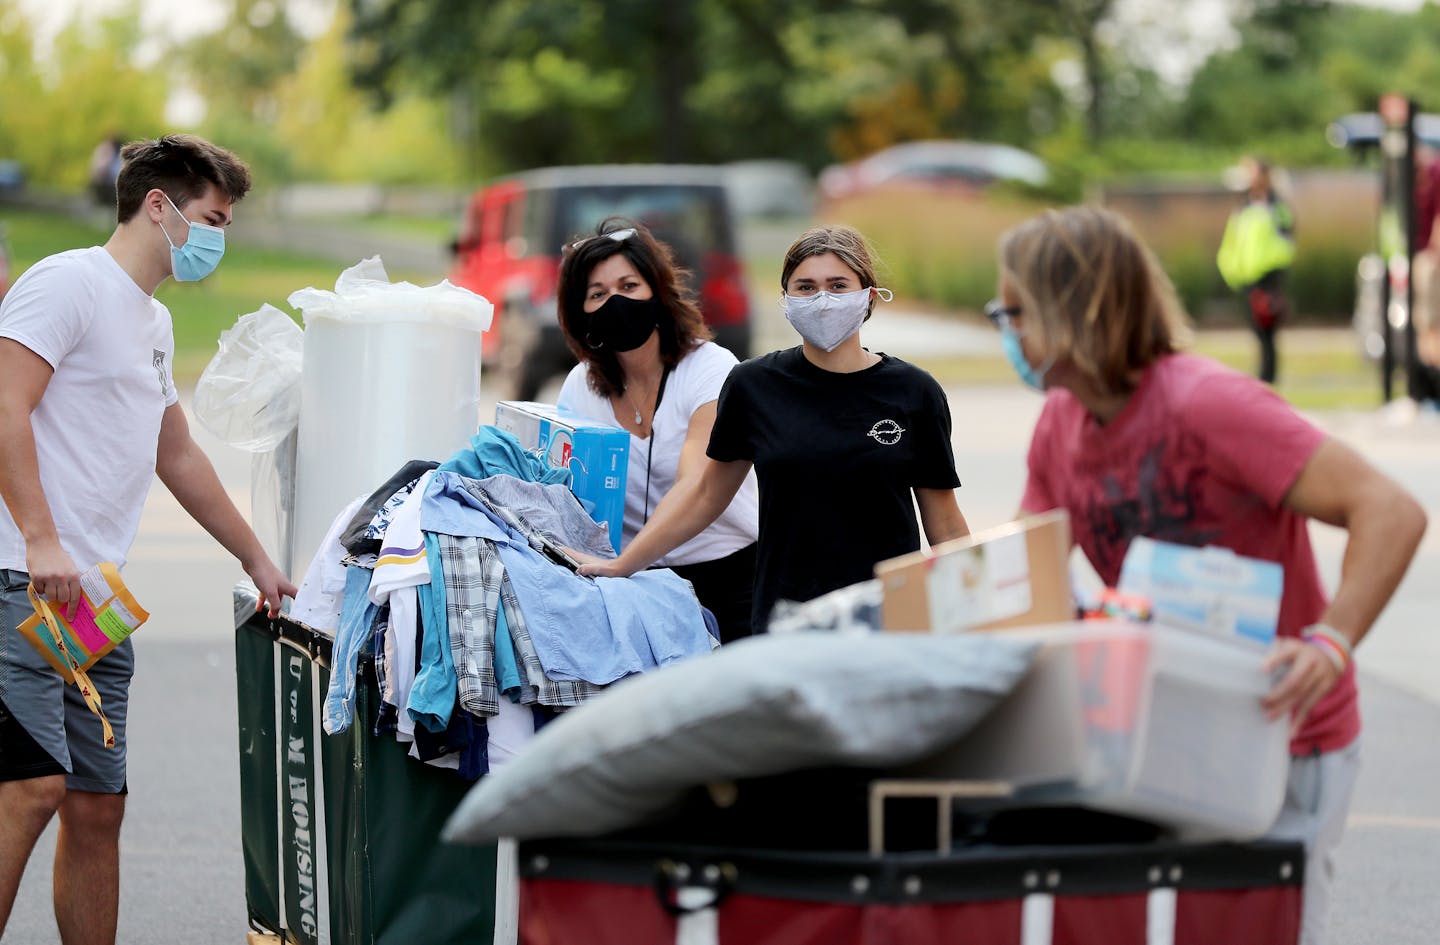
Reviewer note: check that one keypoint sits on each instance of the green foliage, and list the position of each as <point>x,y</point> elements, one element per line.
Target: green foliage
<point>538,82</point>
<point>330,131</point>
<point>32,236</point>
<point>20,79</point>
<point>1323,278</point>
<point>259,144</point>
<point>546,82</point>
<point>57,112</point>
<point>1301,64</point>
<point>935,246</point>
<point>238,67</point>
<point>411,91</point>
<point>287,121</point>
<point>938,247</point>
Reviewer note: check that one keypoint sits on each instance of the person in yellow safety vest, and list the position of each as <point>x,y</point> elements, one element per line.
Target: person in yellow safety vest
<point>1255,253</point>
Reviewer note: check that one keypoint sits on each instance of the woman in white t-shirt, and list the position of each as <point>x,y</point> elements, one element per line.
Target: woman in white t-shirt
<point>647,364</point>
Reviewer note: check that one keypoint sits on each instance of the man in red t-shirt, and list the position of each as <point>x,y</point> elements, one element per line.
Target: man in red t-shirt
<point>1138,439</point>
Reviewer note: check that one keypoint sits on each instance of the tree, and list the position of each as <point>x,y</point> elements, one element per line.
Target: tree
<point>89,88</point>
<point>20,80</point>
<point>1299,64</point>
<point>331,131</point>
<point>547,81</point>
<point>238,67</point>
<point>1081,20</point>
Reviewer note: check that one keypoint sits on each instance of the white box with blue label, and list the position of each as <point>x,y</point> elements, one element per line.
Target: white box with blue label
<point>597,455</point>
<point>1209,589</point>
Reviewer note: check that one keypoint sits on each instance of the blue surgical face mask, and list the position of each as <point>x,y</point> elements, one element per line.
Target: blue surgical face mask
<point>201,252</point>
<point>1015,354</point>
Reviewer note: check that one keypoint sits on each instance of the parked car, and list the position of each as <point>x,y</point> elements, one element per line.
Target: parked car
<point>513,231</point>
<point>770,189</point>
<point>970,164</point>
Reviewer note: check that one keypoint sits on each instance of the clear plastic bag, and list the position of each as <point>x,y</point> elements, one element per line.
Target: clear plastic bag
<point>249,393</point>
<point>272,500</point>
<point>364,293</point>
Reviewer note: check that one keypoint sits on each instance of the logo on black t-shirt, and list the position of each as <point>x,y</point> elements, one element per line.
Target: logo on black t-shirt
<point>887,432</point>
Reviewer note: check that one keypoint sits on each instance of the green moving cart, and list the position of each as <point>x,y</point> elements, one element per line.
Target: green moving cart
<point>341,833</point>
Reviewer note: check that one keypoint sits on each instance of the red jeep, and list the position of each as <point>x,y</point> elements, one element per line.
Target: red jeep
<point>513,230</point>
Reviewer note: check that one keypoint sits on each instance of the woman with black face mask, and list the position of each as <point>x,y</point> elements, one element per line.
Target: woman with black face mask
<point>647,364</point>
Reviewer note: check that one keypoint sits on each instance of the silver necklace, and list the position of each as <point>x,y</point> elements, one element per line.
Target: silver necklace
<point>639,417</point>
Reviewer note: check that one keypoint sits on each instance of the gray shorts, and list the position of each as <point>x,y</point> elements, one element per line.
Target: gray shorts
<point>1317,804</point>
<point>45,726</point>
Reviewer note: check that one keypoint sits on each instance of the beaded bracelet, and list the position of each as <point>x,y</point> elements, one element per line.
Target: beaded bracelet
<point>1333,642</point>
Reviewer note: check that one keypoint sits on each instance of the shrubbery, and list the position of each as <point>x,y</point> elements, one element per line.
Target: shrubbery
<point>938,246</point>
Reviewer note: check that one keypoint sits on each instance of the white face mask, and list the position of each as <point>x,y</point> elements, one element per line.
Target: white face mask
<point>826,319</point>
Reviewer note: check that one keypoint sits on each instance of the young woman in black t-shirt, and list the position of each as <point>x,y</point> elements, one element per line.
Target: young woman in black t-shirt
<point>840,438</point>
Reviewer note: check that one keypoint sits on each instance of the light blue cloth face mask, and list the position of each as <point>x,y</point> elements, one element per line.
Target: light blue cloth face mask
<point>201,252</point>
<point>1015,354</point>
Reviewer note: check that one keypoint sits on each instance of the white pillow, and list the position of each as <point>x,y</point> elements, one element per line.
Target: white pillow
<point>761,706</point>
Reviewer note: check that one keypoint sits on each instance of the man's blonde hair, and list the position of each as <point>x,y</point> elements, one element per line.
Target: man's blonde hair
<point>1094,293</point>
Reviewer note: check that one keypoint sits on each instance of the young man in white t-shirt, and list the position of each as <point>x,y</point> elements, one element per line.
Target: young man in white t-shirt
<point>88,416</point>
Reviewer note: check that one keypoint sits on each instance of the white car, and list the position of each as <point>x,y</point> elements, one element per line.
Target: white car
<point>970,164</point>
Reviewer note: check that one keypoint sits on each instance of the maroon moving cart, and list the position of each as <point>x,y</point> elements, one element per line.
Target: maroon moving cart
<point>652,891</point>
<point>1155,894</point>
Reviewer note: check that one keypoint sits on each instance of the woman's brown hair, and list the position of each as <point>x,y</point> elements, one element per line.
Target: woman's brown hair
<point>1093,293</point>
<point>844,242</point>
<point>681,328</point>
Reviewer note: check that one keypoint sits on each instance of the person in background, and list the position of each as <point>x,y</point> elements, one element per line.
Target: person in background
<point>105,169</point>
<point>1137,438</point>
<point>89,416</point>
<point>845,442</point>
<point>1255,254</point>
<point>647,363</point>
<point>1424,269</point>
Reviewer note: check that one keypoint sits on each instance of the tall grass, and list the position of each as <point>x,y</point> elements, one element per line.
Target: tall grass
<point>938,245</point>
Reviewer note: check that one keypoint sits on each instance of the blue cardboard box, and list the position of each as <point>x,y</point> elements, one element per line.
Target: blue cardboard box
<point>597,455</point>
<point>1209,589</point>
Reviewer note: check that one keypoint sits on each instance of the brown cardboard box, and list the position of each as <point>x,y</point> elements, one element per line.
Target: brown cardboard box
<point>1013,575</point>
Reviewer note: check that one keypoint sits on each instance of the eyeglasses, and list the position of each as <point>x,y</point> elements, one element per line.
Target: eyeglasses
<point>1000,314</point>
<point>618,236</point>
